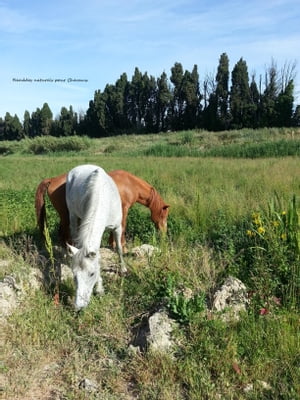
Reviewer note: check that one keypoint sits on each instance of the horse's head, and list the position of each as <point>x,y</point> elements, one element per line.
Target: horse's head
<point>159,216</point>
<point>86,270</point>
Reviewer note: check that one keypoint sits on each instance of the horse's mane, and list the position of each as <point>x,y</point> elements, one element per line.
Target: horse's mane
<point>93,187</point>
<point>155,200</point>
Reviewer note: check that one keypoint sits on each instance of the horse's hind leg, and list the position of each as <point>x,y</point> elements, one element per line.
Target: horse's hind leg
<point>117,236</point>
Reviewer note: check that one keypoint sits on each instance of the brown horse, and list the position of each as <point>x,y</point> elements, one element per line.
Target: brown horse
<point>132,189</point>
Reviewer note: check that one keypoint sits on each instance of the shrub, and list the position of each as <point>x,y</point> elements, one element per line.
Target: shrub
<point>49,144</point>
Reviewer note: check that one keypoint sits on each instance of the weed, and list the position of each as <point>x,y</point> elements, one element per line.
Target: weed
<point>182,303</point>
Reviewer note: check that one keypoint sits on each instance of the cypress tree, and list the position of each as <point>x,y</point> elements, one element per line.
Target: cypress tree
<point>45,120</point>
<point>240,102</point>
<point>134,99</point>
<point>13,129</point>
<point>35,123</point>
<point>177,102</point>
<point>191,98</point>
<point>163,100</point>
<point>67,122</point>
<point>26,123</point>
<point>255,109</point>
<point>284,106</point>
<point>149,100</point>
<point>269,97</point>
<point>222,92</point>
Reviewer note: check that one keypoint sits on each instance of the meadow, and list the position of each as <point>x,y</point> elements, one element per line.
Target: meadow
<point>234,204</point>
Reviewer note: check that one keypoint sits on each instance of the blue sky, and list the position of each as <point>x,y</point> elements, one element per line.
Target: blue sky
<point>96,41</point>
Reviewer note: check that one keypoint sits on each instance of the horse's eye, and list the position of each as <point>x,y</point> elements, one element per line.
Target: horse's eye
<point>91,274</point>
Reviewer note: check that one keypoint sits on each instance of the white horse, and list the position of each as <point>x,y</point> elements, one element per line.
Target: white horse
<point>94,204</point>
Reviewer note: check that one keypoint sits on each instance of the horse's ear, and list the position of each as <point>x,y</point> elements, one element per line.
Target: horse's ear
<point>71,250</point>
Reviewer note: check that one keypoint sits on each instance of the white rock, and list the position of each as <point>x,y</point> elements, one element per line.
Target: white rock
<point>231,297</point>
<point>160,329</point>
<point>8,296</point>
<point>145,250</point>
<point>88,385</point>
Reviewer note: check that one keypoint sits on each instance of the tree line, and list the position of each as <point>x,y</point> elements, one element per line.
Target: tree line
<point>146,104</point>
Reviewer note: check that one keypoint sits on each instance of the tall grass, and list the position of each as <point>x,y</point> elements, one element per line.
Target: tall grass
<point>280,148</point>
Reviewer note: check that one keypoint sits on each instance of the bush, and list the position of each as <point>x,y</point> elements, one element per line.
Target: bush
<point>49,144</point>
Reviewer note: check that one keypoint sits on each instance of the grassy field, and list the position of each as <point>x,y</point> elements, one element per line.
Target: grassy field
<point>232,213</point>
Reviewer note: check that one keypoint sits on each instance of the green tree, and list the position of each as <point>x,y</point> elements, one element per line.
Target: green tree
<point>46,120</point>
<point>2,129</point>
<point>93,124</point>
<point>284,106</point>
<point>134,99</point>
<point>209,113</point>
<point>178,101</point>
<point>163,101</point>
<point>269,97</point>
<point>13,129</point>
<point>120,103</point>
<point>115,112</point>
<point>222,92</point>
<point>26,123</point>
<point>191,97</point>
<point>240,101</point>
<point>35,123</point>
<point>149,102</point>
<point>67,122</point>
<point>255,109</point>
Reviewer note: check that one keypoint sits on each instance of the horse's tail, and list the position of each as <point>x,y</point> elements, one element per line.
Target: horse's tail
<point>40,207</point>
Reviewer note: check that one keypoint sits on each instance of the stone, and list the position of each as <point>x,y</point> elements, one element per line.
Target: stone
<point>232,298</point>
<point>145,250</point>
<point>8,299</point>
<point>88,385</point>
<point>160,329</point>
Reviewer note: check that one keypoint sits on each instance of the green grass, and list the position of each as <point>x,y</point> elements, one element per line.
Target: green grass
<point>228,216</point>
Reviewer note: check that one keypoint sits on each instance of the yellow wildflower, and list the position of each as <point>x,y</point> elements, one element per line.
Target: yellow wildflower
<point>256,219</point>
<point>283,236</point>
<point>261,230</point>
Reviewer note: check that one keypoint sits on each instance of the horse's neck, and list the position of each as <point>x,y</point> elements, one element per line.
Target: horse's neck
<point>145,195</point>
<point>152,200</point>
<point>91,231</point>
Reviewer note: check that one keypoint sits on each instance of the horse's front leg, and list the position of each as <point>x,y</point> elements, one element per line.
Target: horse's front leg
<point>112,240</point>
<point>125,210</point>
<point>117,237</point>
<point>99,290</point>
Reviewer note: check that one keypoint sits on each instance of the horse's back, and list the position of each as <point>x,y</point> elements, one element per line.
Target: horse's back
<point>90,186</point>
<point>130,186</point>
